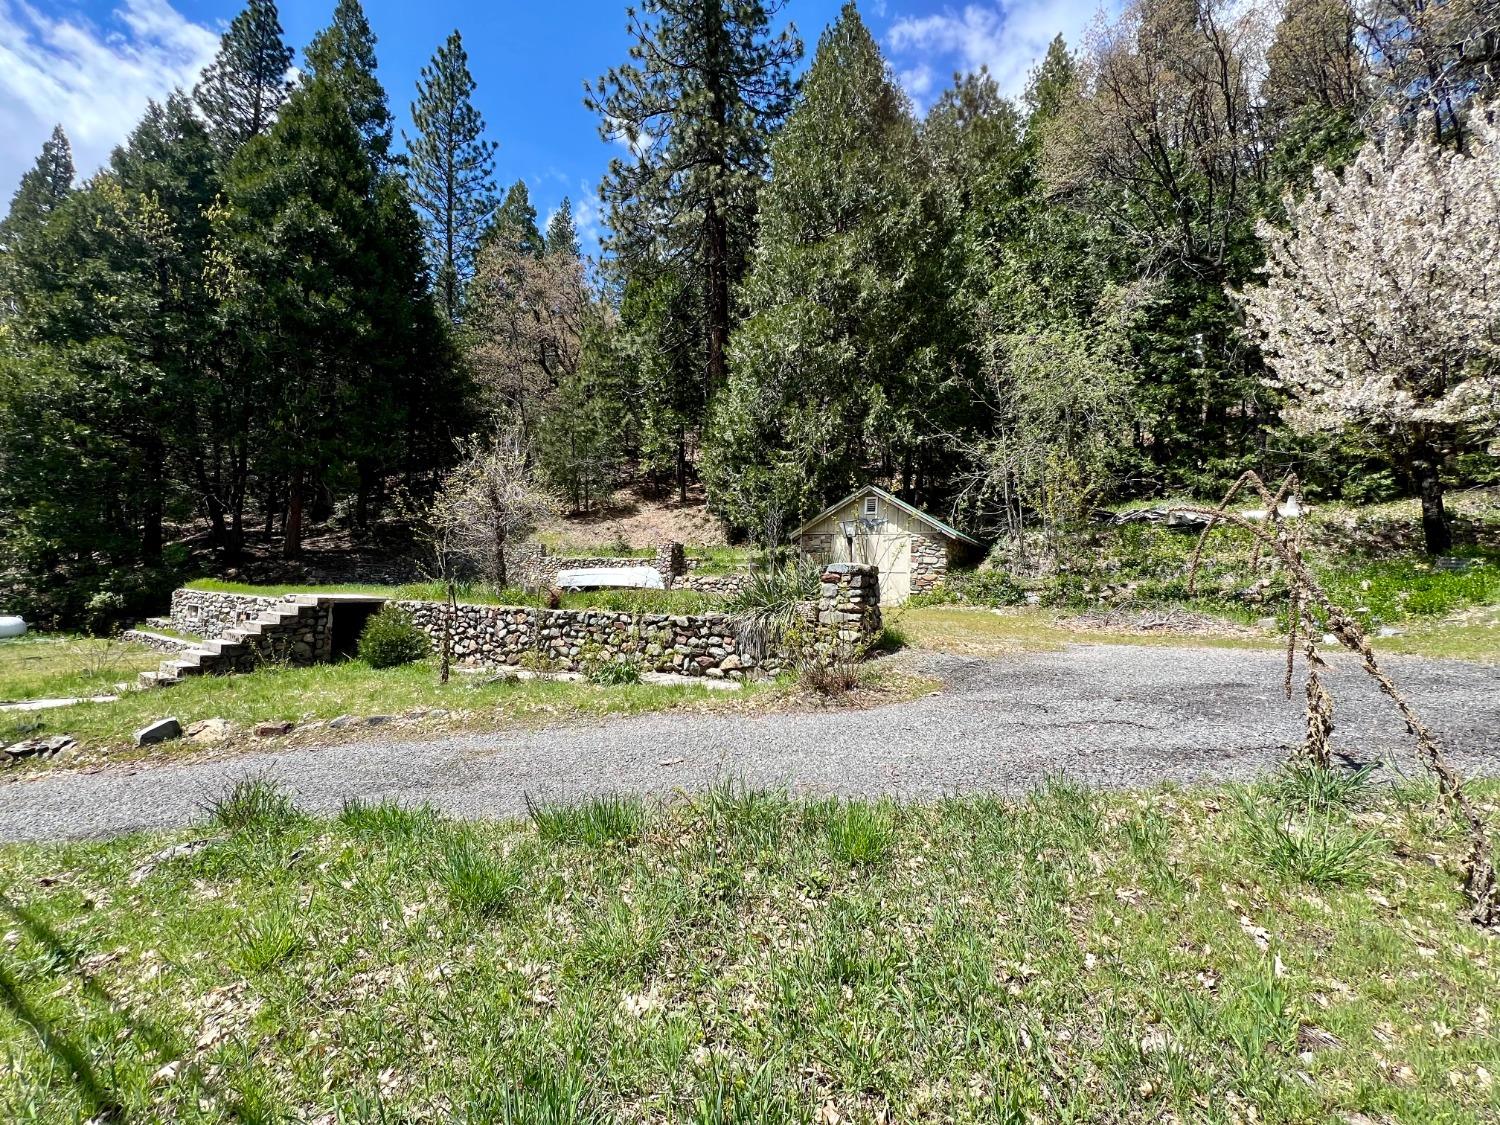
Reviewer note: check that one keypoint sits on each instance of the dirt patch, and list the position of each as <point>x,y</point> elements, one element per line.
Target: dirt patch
<point>637,518</point>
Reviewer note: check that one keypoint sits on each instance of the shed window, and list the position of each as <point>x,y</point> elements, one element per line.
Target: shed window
<point>872,507</point>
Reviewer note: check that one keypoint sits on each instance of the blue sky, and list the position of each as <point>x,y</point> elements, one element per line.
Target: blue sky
<point>92,64</point>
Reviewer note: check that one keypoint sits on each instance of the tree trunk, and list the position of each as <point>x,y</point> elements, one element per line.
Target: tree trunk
<point>682,464</point>
<point>151,522</point>
<point>1426,474</point>
<point>502,576</point>
<point>293,546</point>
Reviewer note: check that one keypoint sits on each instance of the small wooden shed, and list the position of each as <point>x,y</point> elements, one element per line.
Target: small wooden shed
<point>912,549</point>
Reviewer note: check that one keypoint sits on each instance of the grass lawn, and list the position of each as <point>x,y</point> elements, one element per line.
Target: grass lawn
<point>738,956</point>
<point>64,667</point>
<point>1472,635</point>
<point>326,691</point>
<point>975,631</point>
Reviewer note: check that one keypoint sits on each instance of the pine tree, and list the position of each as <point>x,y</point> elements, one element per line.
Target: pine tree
<point>707,87</point>
<point>452,169</point>
<point>1050,84</point>
<point>344,52</point>
<point>514,223</point>
<point>562,235</point>
<point>245,85</point>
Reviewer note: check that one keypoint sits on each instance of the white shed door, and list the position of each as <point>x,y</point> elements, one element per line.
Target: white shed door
<point>890,550</point>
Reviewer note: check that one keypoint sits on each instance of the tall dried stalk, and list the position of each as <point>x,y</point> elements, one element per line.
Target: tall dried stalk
<point>1307,592</point>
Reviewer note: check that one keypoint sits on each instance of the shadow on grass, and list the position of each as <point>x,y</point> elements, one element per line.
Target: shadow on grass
<point>102,1102</point>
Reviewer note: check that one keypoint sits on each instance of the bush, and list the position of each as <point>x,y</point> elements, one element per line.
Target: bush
<point>390,639</point>
<point>829,678</point>
<point>988,587</point>
<point>614,672</point>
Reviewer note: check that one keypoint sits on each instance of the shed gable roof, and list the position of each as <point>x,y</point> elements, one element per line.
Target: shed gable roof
<point>936,524</point>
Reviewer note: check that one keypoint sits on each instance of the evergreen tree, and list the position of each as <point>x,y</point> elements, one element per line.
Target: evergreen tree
<point>452,169</point>
<point>707,88</point>
<point>514,223</point>
<point>562,235</point>
<point>840,370</point>
<point>97,362</point>
<point>245,85</point>
<point>43,189</point>
<point>1051,83</point>
<point>302,273</point>
<point>344,52</point>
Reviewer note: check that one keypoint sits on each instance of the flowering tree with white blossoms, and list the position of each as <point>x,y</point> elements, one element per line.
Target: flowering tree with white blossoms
<point>1381,309</point>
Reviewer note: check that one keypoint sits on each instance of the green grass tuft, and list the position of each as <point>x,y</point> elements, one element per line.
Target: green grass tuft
<point>857,833</point>
<point>386,819</point>
<point>255,804</point>
<point>597,822</point>
<point>1315,850</point>
<point>266,940</point>
<point>1301,786</point>
<point>478,882</point>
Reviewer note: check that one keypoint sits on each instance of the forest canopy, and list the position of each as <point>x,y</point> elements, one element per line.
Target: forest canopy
<point>267,311</point>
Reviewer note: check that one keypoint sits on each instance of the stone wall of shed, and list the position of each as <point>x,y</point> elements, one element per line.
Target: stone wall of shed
<point>929,563</point>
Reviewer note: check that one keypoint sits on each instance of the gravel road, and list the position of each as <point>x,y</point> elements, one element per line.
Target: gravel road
<point>1108,715</point>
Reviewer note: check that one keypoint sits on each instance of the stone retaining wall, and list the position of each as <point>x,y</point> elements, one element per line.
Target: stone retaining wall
<point>208,613</point>
<point>725,585</point>
<point>841,623</point>
<point>572,639</point>
<point>156,641</point>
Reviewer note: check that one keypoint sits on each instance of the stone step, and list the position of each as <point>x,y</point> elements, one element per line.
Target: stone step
<point>156,679</point>
<point>223,645</point>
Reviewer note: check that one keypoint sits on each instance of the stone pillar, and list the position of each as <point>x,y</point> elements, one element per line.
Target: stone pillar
<point>848,615</point>
<point>671,561</point>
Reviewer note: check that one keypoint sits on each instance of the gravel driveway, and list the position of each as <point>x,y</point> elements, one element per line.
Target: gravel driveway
<point>1108,715</point>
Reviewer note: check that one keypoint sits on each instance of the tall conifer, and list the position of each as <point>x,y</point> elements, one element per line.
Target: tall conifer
<point>244,86</point>
<point>452,169</point>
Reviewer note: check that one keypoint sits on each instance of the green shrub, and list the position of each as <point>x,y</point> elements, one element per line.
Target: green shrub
<point>390,639</point>
<point>616,672</point>
<point>988,587</point>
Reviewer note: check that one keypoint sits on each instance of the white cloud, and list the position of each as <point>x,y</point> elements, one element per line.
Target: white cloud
<point>1008,37</point>
<point>94,81</point>
<point>588,220</point>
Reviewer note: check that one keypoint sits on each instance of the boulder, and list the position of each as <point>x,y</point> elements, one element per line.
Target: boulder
<point>163,730</point>
<point>209,730</point>
<point>273,727</point>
